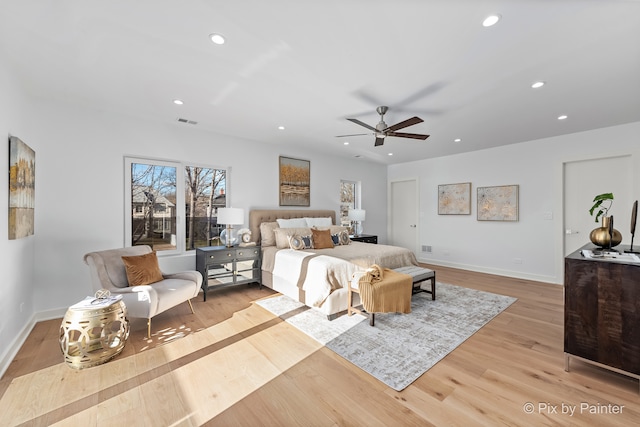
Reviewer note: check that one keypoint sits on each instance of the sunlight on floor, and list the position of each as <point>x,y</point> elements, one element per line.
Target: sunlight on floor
<point>187,380</point>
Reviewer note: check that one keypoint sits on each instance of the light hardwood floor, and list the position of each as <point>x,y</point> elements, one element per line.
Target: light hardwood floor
<point>233,363</point>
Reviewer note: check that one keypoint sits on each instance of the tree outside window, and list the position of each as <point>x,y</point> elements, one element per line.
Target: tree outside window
<point>205,193</point>
<point>153,202</point>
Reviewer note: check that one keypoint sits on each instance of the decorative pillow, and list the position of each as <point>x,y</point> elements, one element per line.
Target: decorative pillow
<point>142,269</point>
<point>336,239</point>
<point>343,237</point>
<point>283,234</point>
<point>319,222</point>
<point>292,223</point>
<point>267,236</point>
<point>335,229</point>
<point>321,239</point>
<point>298,242</point>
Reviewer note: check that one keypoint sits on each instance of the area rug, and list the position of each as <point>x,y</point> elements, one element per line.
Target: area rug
<point>400,347</point>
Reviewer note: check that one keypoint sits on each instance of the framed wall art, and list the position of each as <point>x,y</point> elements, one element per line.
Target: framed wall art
<point>498,203</point>
<point>454,199</point>
<point>295,182</point>
<point>22,189</point>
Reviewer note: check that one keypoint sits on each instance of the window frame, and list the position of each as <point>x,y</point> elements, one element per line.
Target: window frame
<point>181,217</point>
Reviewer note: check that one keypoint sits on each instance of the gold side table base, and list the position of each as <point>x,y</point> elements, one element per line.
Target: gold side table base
<point>93,336</point>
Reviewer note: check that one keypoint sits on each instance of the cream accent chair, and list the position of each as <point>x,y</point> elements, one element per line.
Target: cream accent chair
<point>108,272</point>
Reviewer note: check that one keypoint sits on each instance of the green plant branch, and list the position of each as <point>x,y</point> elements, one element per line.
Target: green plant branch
<point>598,204</point>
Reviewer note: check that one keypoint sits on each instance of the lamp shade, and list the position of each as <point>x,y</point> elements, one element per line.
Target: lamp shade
<point>357,214</point>
<point>231,216</point>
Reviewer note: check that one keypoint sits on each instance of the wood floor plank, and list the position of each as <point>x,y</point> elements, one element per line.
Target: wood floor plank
<point>234,363</point>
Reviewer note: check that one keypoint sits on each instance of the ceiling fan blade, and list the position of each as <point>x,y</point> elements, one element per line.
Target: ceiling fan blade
<point>379,141</point>
<point>354,134</point>
<point>358,122</point>
<point>409,122</point>
<point>408,135</point>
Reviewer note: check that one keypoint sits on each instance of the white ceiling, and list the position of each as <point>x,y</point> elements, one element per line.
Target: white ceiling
<point>310,65</point>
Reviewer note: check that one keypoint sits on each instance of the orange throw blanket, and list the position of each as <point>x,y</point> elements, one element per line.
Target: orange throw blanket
<point>383,290</point>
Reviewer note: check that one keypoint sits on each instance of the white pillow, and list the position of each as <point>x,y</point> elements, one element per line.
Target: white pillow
<point>292,223</point>
<point>319,222</point>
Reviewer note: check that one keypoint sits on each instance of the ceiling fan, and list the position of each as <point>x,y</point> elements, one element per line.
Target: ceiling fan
<point>381,131</point>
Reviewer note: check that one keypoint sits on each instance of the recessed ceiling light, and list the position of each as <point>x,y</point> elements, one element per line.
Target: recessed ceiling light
<point>281,127</point>
<point>562,117</point>
<point>217,38</point>
<point>390,154</point>
<point>536,85</point>
<point>491,20</point>
<point>346,143</point>
<point>457,140</point>
<point>178,102</point>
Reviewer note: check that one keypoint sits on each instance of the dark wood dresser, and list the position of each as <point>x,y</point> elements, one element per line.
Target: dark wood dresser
<point>602,311</point>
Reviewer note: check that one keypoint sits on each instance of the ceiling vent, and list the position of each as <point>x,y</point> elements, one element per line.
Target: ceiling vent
<point>191,122</point>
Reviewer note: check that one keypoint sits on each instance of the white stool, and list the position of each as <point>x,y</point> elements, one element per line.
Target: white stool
<point>419,275</point>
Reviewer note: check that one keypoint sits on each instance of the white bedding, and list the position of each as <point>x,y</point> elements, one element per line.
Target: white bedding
<point>317,275</point>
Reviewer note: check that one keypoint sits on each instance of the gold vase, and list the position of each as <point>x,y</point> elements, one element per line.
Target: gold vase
<point>600,235</point>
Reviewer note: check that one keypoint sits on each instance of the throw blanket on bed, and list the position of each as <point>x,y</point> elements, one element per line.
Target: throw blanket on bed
<point>317,275</point>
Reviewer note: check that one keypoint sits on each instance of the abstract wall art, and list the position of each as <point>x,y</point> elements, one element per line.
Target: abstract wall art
<point>295,182</point>
<point>498,203</point>
<point>22,189</point>
<point>454,199</point>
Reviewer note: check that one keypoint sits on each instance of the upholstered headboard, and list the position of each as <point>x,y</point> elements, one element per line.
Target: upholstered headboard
<point>258,216</point>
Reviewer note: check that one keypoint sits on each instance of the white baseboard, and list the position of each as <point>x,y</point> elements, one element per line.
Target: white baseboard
<point>15,345</point>
<point>508,273</point>
<point>21,337</point>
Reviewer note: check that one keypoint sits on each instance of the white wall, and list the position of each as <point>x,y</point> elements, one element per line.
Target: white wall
<point>17,272</point>
<point>536,166</point>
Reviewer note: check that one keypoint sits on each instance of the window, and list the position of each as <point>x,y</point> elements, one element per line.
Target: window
<point>349,199</point>
<point>155,192</point>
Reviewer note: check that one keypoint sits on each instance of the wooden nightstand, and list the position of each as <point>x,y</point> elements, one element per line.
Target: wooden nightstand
<point>366,238</point>
<point>221,266</point>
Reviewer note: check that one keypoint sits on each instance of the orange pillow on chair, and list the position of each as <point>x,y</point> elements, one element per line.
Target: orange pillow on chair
<point>142,269</point>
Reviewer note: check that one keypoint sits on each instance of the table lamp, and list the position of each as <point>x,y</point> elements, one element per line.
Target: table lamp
<point>357,216</point>
<point>230,217</point>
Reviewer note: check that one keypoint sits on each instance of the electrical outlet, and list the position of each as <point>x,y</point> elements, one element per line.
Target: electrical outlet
<point>21,307</point>
<point>517,260</point>
<point>447,253</point>
<point>426,248</point>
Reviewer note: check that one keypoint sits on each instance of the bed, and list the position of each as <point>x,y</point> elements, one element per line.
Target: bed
<point>315,277</point>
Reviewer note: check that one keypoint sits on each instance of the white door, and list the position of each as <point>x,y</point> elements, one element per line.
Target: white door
<point>404,214</point>
<point>585,179</point>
